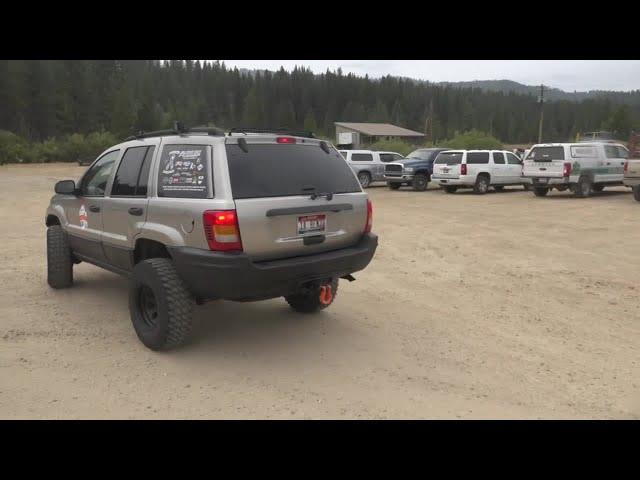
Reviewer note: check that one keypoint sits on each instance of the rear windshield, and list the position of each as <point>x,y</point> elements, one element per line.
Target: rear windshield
<point>270,170</point>
<point>449,158</point>
<point>546,154</point>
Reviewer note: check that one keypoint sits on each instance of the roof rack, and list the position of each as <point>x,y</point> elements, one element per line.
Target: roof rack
<point>295,133</point>
<point>178,129</point>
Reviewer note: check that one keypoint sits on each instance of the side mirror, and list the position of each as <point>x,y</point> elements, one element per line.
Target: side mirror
<point>66,187</point>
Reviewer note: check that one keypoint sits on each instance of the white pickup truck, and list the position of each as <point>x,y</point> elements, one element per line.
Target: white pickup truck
<point>582,168</point>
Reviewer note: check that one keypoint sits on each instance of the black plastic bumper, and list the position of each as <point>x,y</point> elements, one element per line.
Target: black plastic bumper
<point>212,275</point>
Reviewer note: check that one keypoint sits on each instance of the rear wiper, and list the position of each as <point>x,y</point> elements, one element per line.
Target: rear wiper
<point>328,195</point>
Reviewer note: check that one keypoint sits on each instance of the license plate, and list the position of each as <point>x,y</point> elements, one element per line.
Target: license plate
<point>312,224</point>
<point>543,180</point>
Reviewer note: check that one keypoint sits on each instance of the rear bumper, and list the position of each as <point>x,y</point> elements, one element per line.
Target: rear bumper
<point>212,275</point>
<point>631,181</point>
<point>546,181</point>
<point>459,181</point>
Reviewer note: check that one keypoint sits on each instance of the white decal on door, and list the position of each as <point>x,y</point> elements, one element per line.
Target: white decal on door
<point>84,220</point>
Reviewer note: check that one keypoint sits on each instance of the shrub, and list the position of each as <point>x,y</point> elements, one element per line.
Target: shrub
<point>473,139</point>
<point>12,147</point>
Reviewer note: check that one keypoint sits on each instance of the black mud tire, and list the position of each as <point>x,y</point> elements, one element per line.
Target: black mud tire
<point>636,193</point>
<point>598,188</point>
<point>309,300</point>
<point>540,191</point>
<point>450,188</point>
<point>499,188</point>
<point>482,184</point>
<point>584,187</point>
<point>394,185</point>
<point>365,179</point>
<point>420,182</point>
<point>168,322</point>
<point>59,258</point>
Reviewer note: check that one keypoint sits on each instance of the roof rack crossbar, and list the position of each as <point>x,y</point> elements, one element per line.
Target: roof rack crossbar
<point>295,133</point>
<point>159,133</point>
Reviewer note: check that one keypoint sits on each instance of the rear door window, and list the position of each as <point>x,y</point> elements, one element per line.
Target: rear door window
<point>272,170</point>
<point>133,172</point>
<point>498,158</point>
<point>477,158</point>
<point>361,157</point>
<point>184,172</point>
<point>546,154</point>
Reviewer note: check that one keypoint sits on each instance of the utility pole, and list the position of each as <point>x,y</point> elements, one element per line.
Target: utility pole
<point>541,99</point>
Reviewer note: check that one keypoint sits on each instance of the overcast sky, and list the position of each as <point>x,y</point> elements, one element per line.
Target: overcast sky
<point>568,75</point>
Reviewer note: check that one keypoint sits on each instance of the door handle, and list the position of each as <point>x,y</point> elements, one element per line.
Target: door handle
<point>136,211</point>
<point>94,208</point>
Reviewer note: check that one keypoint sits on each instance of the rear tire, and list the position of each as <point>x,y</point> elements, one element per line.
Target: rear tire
<point>160,305</point>
<point>636,193</point>
<point>308,301</point>
<point>450,188</point>
<point>365,179</point>
<point>394,186</point>
<point>59,258</point>
<point>420,182</point>
<point>482,185</point>
<point>584,188</point>
<point>540,191</point>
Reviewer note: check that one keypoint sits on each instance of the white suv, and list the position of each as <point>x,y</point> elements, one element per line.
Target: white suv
<point>478,169</point>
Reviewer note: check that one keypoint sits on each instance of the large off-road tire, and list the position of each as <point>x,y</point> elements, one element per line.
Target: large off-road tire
<point>394,185</point>
<point>499,188</point>
<point>420,182</point>
<point>584,187</point>
<point>598,188</point>
<point>482,184</point>
<point>160,305</point>
<point>636,193</point>
<point>450,188</point>
<point>308,301</point>
<point>59,258</point>
<point>540,191</point>
<point>365,179</point>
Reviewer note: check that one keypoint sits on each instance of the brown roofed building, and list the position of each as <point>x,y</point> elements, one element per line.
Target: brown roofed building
<point>355,135</point>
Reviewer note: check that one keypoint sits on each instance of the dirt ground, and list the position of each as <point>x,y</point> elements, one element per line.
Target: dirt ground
<point>495,306</point>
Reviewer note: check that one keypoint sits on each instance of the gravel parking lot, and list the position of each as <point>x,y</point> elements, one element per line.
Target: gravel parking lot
<point>495,306</point>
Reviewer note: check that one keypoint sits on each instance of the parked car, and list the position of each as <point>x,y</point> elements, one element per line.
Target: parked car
<point>582,168</point>
<point>478,169</point>
<point>191,217</point>
<point>369,165</point>
<point>415,170</point>
<point>632,166</point>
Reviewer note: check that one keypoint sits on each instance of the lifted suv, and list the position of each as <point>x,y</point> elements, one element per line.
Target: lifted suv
<point>195,216</point>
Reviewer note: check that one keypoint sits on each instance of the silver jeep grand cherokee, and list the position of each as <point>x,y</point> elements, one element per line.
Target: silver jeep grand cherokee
<point>196,215</point>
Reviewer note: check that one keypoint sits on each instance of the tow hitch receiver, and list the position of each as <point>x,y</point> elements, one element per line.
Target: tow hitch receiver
<point>326,295</point>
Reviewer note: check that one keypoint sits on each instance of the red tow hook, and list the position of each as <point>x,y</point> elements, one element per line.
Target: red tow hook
<point>326,295</point>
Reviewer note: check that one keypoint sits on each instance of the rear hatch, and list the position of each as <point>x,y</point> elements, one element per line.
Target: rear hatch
<point>544,161</point>
<point>280,191</point>
<point>447,164</point>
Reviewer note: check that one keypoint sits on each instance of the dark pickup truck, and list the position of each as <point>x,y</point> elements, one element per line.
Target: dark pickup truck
<point>415,170</point>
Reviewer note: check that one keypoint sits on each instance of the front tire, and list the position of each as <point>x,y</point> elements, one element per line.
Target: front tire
<point>59,259</point>
<point>540,191</point>
<point>482,185</point>
<point>394,186</point>
<point>308,300</point>
<point>160,305</point>
<point>636,193</point>
<point>420,182</point>
<point>365,179</point>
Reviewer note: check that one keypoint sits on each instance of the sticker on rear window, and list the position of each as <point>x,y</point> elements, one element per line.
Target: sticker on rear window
<point>183,172</point>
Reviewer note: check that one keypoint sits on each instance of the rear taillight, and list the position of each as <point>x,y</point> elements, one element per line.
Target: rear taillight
<point>566,170</point>
<point>222,231</point>
<point>463,169</point>
<point>286,140</point>
<point>369,224</point>
<point>626,167</point>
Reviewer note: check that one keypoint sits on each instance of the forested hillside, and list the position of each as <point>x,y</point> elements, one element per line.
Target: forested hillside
<point>44,99</point>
